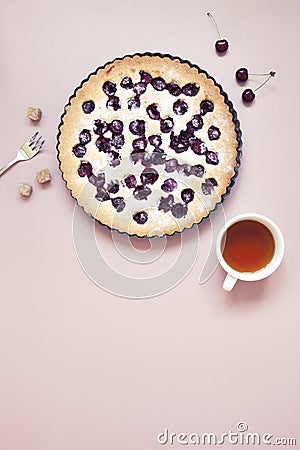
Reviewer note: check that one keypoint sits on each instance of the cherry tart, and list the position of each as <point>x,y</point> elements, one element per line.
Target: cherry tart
<point>149,144</point>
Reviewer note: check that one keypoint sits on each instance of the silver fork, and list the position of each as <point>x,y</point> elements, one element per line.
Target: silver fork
<point>27,151</point>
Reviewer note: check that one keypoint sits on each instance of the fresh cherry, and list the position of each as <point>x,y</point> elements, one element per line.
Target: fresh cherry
<point>248,95</point>
<point>221,45</point>
<point>242,74</point>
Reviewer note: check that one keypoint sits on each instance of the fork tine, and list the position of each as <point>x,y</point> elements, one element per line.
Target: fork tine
<point>32,139</point>
<point>41,144</point>
<point>38,141</point>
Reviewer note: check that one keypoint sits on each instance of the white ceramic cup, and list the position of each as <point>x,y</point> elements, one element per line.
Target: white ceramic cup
<point>234,275</point>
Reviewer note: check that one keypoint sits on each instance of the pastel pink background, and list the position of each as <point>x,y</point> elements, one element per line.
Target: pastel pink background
<point>83,369</point>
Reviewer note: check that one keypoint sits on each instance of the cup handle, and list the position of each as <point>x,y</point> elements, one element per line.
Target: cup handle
<point>229,282</point>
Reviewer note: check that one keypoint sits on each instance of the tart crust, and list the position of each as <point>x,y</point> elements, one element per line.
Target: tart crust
<point>171,69</point>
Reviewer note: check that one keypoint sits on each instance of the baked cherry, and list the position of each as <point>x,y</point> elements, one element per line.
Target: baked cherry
<point>158,157</point>
<point>136,156</point>
<point>171,165</point>
<point>113,103</point>
<point>153,112</point>
<point>117,141</point>
<point>103,144</point>
<point>97,180</point>
<point>139,144</point>
<point>140,217</point>
<point>130,181</point>
<point>178,210</point>
<point>85,137</point>
<point>213,133</point>
<point>180,107</point>
<point>155,140</point>
<point>221,45</point>
<point>184,169</point>
<point>113,186</point>
<point>212,158</point>
<point>181,142</point>
<point>190,89</point>
<point>197,170</point>
<point>118,203</point>
<point>174,89</point>
<point>102,194</point>
<point>100,127</point>
<point>141,192</point>
<point>169,185</point>
<point>166,203</point>
<point>139,88</point>
<point>166,125</point>
<point>196,123</point>
<point>88,106</point>
<point>199,147</point>
<point>146,159</point>
<point>137,127</point>
<point>187,195</point>
<point>109,88</point>
<point>206,106</point>
<point>116,126</point>
<point>145,77</point>
<point>85,169</point>
<point>126,83</point>
<point>134,102</point>
<point>79,150</point>
<point>149,176</point>
<point>208,186</point>
<point>158,83</point>
<point>113,159</point>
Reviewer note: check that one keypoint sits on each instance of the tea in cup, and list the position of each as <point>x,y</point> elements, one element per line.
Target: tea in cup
<point>249,247</point>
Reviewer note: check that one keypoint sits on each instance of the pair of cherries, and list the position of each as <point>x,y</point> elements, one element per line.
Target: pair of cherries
<point>241,74</point>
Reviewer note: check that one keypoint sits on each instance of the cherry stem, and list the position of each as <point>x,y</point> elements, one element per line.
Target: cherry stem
<point>263,74</point>
<point>271,75</point>
<point>213,20</point>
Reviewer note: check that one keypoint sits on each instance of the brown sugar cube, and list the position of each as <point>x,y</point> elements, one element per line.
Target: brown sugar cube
<point>25,190</point>
<point>34,114</point>
<point>43,176</point>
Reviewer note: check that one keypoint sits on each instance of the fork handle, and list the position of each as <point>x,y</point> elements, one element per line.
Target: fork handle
<point>11,163</point>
